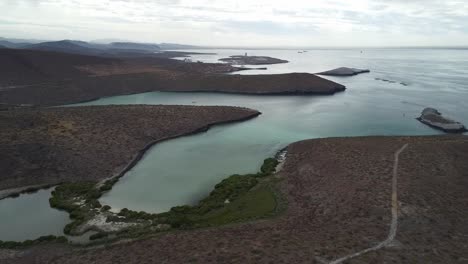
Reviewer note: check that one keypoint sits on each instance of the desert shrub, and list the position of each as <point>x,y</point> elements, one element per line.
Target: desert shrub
<point>179,221</point>
<point>269,166</point>
<point>107,186</point>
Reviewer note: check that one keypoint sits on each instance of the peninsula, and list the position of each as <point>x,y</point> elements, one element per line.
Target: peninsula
<point>78,144</point>
<point>47,78</point>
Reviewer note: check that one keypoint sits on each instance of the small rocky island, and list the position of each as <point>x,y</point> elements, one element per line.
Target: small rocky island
<point>344,71</point>
<point>252,60</point>
<point>435,119</point>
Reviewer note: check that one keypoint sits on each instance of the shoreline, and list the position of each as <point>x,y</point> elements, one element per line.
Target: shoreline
<point>273,85</point>
<point>62,130</point>
<point>141,153</point>
<point>198,91</point>
<point>15,192</point>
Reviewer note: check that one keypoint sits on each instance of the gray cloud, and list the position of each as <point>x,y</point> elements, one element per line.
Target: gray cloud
<point>361,22</point>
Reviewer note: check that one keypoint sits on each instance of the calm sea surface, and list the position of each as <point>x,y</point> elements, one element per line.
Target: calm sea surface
<point>184,170</point>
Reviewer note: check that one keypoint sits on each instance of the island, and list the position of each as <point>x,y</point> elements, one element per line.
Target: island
<point>252,60</point>
<point>435,119</point>
<point>344,71</point>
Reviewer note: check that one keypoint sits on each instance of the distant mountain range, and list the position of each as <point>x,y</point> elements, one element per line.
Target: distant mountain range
<point>66,46</point>
<point>86,48</point>
<point>102,48</point>
<point>12,45</point>
<point>173,46</point>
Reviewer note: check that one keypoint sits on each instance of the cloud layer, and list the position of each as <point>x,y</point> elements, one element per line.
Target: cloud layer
<point>242,23</point>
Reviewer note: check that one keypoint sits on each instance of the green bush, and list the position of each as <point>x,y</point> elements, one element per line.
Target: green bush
<point>179,221</point>
<point>269,166</point>
<point>107,186</point>
<point>181,209</point>
<point>26,243</point>
<point>230,188</point>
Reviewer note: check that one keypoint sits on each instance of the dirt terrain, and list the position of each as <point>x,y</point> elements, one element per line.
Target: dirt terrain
<point>50,78</point>
<point>339,194</point>
<point>54,145</point>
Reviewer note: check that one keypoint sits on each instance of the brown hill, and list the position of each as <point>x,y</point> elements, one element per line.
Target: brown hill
<point>20,67</point>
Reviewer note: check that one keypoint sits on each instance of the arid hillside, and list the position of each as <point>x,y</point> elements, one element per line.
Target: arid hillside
<point>50,146</point>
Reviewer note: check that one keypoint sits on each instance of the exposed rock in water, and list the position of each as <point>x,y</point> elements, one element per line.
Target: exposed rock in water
<point>390,81</point>
<point>252,60</point>
<point>344,71</point>
<point>434,118</point>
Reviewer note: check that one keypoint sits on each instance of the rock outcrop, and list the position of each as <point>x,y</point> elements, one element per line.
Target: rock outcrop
<point>344,71</point>
<point>252,60</point>
<point>434,118</point>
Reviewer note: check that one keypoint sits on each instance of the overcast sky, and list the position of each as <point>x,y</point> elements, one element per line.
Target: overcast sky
<point>242,23</point>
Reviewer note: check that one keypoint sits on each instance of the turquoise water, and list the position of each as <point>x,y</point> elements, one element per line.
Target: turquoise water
<point>183,170</point>
<point>29,216</point>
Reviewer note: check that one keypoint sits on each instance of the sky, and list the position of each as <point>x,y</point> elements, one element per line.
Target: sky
<point>242,23</point>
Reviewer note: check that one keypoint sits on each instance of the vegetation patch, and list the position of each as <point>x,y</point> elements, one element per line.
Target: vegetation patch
<point>254,204</point>
<point>28,243</point>
<point>236,198</point>
<point>79,199</point>
<point>269,166</point>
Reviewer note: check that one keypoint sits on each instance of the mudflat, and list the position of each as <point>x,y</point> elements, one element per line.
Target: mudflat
<point>339,196</point>
<point>50,78</point>
<point>72,144</point>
